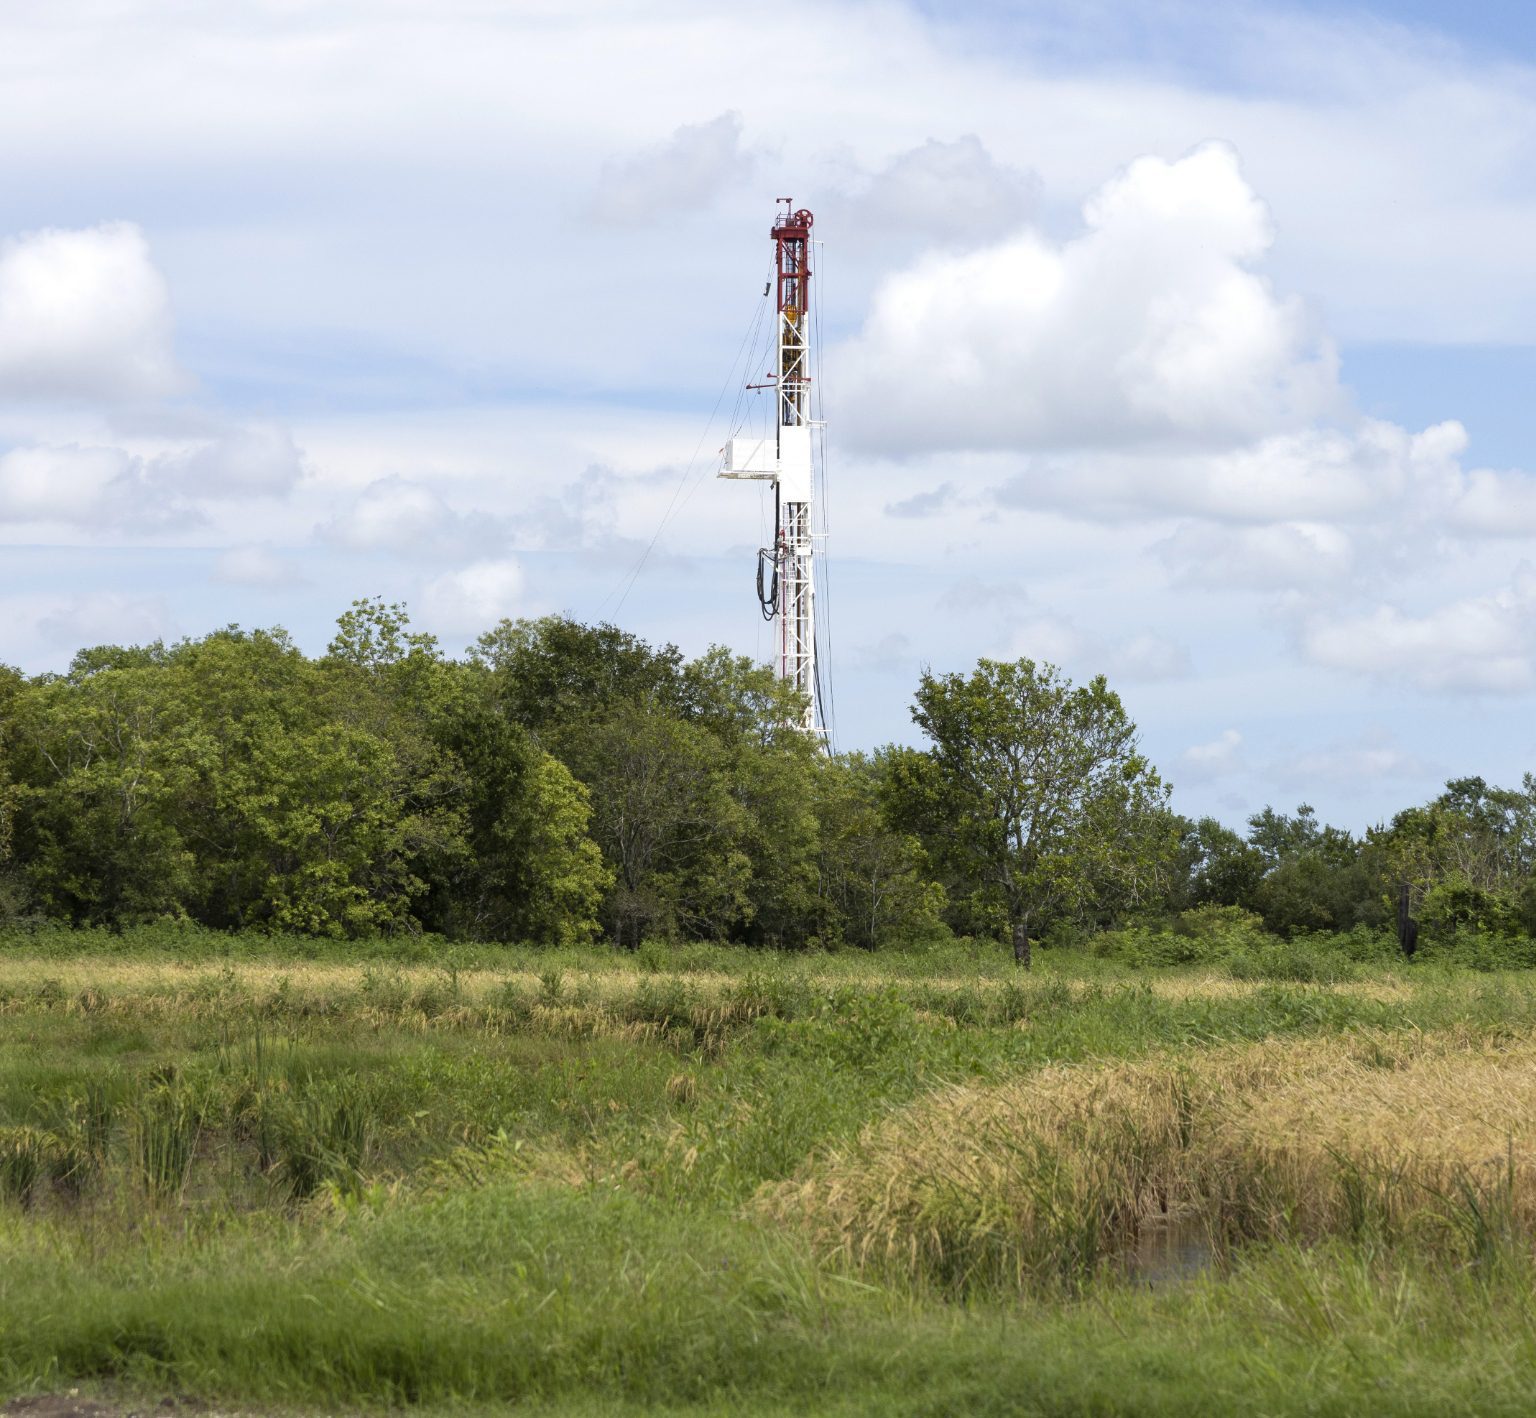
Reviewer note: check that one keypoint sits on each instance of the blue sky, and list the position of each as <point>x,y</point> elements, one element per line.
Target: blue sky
<point>1185,345</point>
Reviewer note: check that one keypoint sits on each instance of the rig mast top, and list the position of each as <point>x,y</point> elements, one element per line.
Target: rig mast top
<point>786,569</point>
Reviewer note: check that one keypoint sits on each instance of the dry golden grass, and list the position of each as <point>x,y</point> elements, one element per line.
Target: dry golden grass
<point>1048,1176</point>
<point>628,1005</point>
<point>109,976</point>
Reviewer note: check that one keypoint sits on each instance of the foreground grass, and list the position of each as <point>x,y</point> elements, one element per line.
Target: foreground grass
<point>590,1184</point>
<point>511,1293</point>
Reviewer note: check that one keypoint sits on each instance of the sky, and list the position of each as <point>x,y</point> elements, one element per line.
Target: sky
<point>1185,346</point>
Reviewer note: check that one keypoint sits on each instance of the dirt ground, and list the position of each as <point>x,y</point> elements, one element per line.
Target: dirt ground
<point>71,1405</point>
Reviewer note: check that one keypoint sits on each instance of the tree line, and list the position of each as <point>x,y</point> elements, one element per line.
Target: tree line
<point>562,782</point>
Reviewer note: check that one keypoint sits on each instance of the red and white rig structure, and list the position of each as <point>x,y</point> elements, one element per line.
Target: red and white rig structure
<point>786,581</point>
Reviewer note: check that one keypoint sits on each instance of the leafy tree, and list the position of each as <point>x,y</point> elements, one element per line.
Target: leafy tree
<point>1279,837</point>
<point>563,865</point>
<point>11,687</point>
<point>702,796</point>
<point>317,799</point>
<point>668,824</point>
<point>383,679</point>
<point>327,829</point>
<point>874,882</point>
<point>1044,791</point>
<point>1315,876</point>
<point>529,870</point>
<point>1223,869</point>
<point>1467,858</point>
<point>769,768</point>
<point>97,789</point>
<point>375,634</point>
<point>555,676</point>
<point>1310,892</point>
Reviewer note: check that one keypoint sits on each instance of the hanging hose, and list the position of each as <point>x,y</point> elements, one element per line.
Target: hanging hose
<point>768,586</point>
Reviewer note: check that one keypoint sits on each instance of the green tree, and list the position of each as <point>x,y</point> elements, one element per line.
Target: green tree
<point>769,767</point>
<point>313,796</point>
<point>375,634</point>
<point>530,870</point>
<point>98,784</point>
<point>1279,837</point>
<point>1467,858</point>
<point>12,685</point>
<point>556,676</point>
<point>1223,869</point>
<point>1048,800</point>
<point>874,882</point>
<point>1315,877</point>
<point>668,824</point>
<point>702,793</point>
<point>391,683</point>
<point>321,809</point>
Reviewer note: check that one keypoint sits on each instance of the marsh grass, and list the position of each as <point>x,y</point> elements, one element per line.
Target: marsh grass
<point>167,1121</point>
<point>740,1182</point>
<point>323,1135</point>
<point>1038,1184</point>
<point>25,1153</point>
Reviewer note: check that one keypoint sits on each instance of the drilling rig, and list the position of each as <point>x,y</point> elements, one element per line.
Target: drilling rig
<point>786,582</point>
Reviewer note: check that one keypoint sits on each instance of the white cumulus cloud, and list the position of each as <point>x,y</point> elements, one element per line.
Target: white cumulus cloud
<point>256,564</point>
<point>1149,328</point>
<point>106,488</point>
<point>1221,756</point>
<point>474,598</point>
<point>68,483</point>
<point>1479,643</point>
<point>106,618</point>
<point>1282,556</point>
<point>1369,758</point>
<point>84,315</point>
<point>948,192</point>
<point>685,172</point>
<point>259,461</point>
<point>1147,657</point>
<point>1315,474</point>
<point>1142,657</point>
<point>399,515</point>
<point>1495,504</point>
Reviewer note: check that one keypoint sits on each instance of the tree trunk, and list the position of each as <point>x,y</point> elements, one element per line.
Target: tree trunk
<point>1021,944</point>
<point>1407,927</point>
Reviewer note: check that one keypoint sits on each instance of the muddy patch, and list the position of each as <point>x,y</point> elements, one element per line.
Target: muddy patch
<point>72,1405</point>
<point>1170,1254</point>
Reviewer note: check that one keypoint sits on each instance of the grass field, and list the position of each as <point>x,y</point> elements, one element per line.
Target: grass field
<point>717,1181</point>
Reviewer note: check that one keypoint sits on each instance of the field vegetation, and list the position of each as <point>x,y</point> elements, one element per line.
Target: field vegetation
<point>713,1179</point>
<point>552,1026</point>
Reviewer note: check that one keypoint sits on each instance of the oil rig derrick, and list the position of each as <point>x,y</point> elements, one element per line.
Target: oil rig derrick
<point>786,568</point>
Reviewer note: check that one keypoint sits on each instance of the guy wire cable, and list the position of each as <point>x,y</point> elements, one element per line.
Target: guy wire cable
<point>628,584</point>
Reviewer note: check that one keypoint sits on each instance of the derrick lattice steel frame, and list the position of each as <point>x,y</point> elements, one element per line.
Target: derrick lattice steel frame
<point>796,552</point>
<point>787,463</point>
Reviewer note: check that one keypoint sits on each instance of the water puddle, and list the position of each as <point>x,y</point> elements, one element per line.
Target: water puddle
<point>1169,1253</point>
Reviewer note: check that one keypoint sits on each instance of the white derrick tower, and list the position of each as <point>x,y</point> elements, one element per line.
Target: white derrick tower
<point>786,584</point>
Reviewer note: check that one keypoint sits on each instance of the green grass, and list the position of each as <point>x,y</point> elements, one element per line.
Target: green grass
<point>510,1293</point>
<point>505,1175</point>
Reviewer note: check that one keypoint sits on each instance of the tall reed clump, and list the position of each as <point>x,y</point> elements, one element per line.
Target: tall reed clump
<point>1037,1183</point>
<point>95,1111</point>
<point>25,1153</point>
<point>320,1135</point>
<point>166,1124</point>
<point>81,1133</point>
